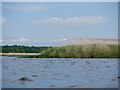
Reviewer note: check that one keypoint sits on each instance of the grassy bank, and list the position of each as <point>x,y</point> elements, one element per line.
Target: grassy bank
<point>80,51</point>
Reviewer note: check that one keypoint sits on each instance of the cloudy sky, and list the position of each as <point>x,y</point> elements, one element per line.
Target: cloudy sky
<point>39,23</point>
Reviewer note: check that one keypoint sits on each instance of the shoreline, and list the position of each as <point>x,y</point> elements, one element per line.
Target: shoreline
<point>18,54</point>
<point>70,51</point>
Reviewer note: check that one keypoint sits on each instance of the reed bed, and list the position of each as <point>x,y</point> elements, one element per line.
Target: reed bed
<point>82,51</point>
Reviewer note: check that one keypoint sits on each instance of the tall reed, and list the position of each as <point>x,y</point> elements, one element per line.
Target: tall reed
<point>82,51</point>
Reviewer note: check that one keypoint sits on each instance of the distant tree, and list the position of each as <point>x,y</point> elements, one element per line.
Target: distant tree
<point>21,49</point>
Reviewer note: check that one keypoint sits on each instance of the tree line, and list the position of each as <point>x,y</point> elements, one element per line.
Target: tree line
<point>22,49</point>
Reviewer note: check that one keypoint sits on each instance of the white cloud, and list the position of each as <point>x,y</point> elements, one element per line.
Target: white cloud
<point>26,7</point>
<point>23,40</point>
<point>57,40</point>
<point>2,20</point>
<point>19,40</point>
<point>72,21</point>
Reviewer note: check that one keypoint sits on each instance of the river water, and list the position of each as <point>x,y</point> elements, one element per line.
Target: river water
<point>59,73</point>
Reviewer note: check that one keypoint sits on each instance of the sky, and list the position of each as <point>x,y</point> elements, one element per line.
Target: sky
<point>50,23</point>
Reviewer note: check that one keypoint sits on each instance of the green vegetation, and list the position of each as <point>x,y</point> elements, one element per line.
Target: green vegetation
<point>22,49</point>
<point>70,51</point>
<point>80,51</point>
